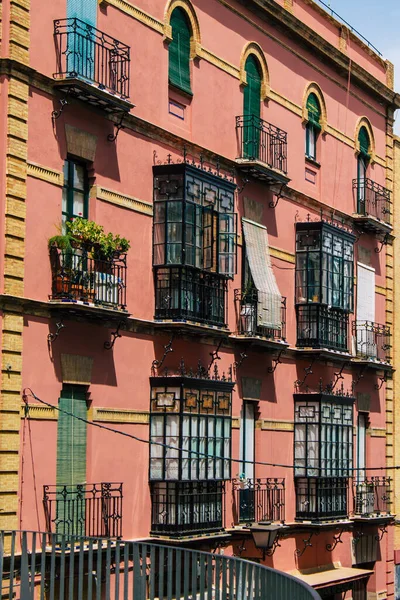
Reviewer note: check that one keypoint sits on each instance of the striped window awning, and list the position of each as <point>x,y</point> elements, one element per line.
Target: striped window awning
<point>269,297</point>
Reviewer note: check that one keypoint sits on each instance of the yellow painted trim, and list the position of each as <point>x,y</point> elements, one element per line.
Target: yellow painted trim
<point>219,62</point>
<point>45,174</point>
<point>125,201</point>
<point>186,5</point>
<point>39,412</point>
<point>257,51</point>
<point>276,425</point>
<point>313,88</point>
<point>380,290</point>
<point>364,122</point>
<point>138,14</point>
<point>379,432</point>
<point>120,415</point>
<point>282,255</point>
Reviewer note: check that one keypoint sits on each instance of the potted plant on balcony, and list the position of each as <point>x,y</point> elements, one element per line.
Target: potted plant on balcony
<point>104,249</point>
<point>61,257</point>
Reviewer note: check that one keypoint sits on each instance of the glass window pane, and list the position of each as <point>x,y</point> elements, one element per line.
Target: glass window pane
<point>79,176</point>
<point>79,205</point>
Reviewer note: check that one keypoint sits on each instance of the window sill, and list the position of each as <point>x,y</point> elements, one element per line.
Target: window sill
<point>187,95</point>
<point>313,162</point>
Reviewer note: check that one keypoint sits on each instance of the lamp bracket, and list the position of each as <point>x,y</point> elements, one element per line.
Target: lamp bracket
<point>157,364</point>
<point>337,539</point>
<point>277,361</point>
<point>53,336</point>
<point>115,335</point>
<point>274,204</point>
<point>307,544</point>
<point>308,371</point>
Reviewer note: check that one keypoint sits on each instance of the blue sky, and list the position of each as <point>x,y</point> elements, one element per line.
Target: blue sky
<point>379,22</point>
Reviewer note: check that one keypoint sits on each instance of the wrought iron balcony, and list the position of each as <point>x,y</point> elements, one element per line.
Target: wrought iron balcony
<point>372,341</point>
<point>263,149</point>
<point>91,568</point>
<point>257,500</point>
<point>186,507</point>
<point>320,326</point>
<point>79,277</point>
<point>90,62</point>
<point>372,497</point>
<point>92,509</point>
<point>188,294</point>
<point>373,200</point>
<point>321,498</point>
<point>248,306</point>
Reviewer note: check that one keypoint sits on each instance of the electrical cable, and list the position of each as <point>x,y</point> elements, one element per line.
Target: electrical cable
<point>25,395</point>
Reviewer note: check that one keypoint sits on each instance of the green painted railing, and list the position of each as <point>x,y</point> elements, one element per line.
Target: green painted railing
<point>53,567</point>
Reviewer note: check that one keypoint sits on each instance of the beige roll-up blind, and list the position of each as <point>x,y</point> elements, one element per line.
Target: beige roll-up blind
<point>269,297</point>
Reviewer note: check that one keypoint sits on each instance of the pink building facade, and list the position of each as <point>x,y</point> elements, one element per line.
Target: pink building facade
<point>245,151</point>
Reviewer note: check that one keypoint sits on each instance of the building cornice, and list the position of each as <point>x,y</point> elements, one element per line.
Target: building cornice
<point>286,22</point>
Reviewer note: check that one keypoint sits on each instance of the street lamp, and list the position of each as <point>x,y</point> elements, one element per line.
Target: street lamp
<point>266,537</point>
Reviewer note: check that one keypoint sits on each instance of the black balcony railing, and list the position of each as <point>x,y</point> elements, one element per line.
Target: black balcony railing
<point>372,497</point>
<point>187,507</point>
<point>319,326</point>
<point>257,500</point>
<point>84,52</point>
<point>77,275</point>
<point>92,509</point>
<point>122,569</point>
<point>248,307</point>
<point>372,341</point>
<point>183,293</point>
<point>321,498</point>
<point>372,199</point>
<point>261,141</point>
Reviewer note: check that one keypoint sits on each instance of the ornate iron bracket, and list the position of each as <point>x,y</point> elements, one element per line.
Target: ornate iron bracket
<point>115,335</point>
<point>277,361</point>
<point>308,371</point>
<point>359,376</point>
<point>245,181</point>
<point>359,233</point>
<point>56,114</point>
<point>383,530</point>
<point>238,363</point>
<point>383,242</point>
<point>357,535</point>
<point>214,355</point>
<point>278,196</point>
<point>339,375</point>
<point>157,364</point>
<point>337,539</point>
<point>378,386</point>
<point>118,126</point>
<point>307,544</point>
<point>53,336</point>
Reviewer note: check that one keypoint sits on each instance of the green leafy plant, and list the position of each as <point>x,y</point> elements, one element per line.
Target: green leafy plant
<point>91,235</point>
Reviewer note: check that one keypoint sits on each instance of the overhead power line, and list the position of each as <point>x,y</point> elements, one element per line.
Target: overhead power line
<point>29,393</point>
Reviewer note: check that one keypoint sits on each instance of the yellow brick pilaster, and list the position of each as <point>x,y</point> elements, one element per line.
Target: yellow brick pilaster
<point>13,264</point>
<point>396,334</point>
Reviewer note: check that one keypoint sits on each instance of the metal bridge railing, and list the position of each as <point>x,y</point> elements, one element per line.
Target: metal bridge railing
<point>78,568</point>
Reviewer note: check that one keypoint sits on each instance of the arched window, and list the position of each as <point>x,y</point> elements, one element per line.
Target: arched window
<point>362,167</point>
<point>251,108</point>
<point>313,126</point>
<point>179,51</point>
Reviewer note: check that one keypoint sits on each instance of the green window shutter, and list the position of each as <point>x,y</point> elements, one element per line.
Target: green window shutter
<point>314,110</point>
<point>251,109</point>
<point>252,91</point>
<point>71,437</point>
<point>179,51</point>
<point>364,141</point>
